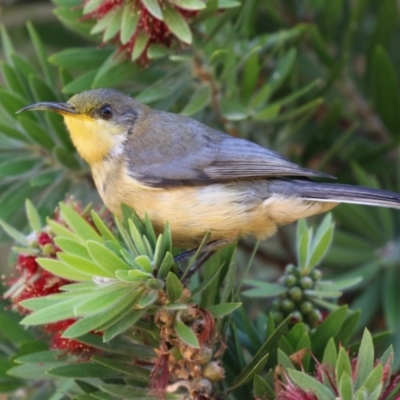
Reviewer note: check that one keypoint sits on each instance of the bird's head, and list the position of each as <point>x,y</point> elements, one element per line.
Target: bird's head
<point>99,121</point>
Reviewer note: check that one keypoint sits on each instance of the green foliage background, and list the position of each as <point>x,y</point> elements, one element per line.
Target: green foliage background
<point>316,80</point>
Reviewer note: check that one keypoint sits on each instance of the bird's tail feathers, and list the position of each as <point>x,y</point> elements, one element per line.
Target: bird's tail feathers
<point>336,193</point>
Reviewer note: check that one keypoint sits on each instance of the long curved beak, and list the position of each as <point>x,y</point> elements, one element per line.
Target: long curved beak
<point>59,108</point>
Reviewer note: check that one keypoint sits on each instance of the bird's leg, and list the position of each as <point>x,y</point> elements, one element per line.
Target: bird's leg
<point>199,262</point>
<point>212,246</point>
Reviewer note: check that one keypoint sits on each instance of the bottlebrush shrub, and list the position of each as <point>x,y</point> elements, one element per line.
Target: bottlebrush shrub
<point>30,280</point>
<point>110,283</point>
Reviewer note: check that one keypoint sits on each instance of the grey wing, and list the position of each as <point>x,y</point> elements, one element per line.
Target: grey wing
<point>195,154</point>
<point>241,159</point>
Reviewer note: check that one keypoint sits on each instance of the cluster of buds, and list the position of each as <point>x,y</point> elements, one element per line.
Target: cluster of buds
<point>143,28</point>
<point>31,280</point>
<point>295,301</point>
<point>180,365</point>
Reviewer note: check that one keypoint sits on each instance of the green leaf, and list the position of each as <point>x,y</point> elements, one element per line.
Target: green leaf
<point>374,379</point>
<point>222,309</point>
<point>53,313</point>
<point>174,287</point>
<point>166,86</point>
<point>138,373</point>
<point>263,289</point>
<point>303,248</point>
<point>186,334</point>
<point>329,328</point>
<point>346,387</point>
<point>141,41</point>
<point>321,242</point>
<point>13,233</point>
<point>129,23</point>
<point>155,51</point>
<point>233,110</point>
<point>189,4</point>
<point>177,24</point>
<point>102,227</point>
<point>365,359</point>
<point>88,370</point>
<point>33,216</point>
<point>78,224</point>
<point>103,299</point>
<point>308,383</point>
<point>228,3</point>
<point>386,95</point>
<point>84,265</point>
<point>89,57</point>
<point>200,99</point>
<point>72,246</point>
<point>62,231</point>
<point>105,258</point>
<point>261,388</point>
<point>154,8</point>
<point>269,346</point>
<point>391,297</point>
<point>81,83</point>
<point>123,324</point>
<point>144,263</point>
<point>330,353</point>
<point>94,321</point>
<point>343,364</point>
<point>166,265</point>
<point>148,298</point>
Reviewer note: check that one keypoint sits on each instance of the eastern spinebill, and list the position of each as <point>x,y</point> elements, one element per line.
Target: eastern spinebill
<point>201,180</point>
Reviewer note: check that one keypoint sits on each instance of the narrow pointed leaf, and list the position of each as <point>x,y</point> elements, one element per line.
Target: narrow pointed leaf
<point>186,334</point>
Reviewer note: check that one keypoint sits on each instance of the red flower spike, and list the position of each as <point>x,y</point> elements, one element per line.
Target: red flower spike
<point>34,281</point>
<point>27,264</point>
<point>155,29</point>
<point>208,329</point>
<point>159,375</point>
<point>44,239</point>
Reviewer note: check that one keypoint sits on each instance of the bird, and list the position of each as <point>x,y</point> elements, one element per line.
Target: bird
<point>202,181</point>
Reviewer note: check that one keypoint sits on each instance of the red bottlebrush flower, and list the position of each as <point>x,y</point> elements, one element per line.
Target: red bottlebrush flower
<point>34,281</point>
<point>137,25</point>
<point>44,238</point>
<point>160,373</point>
<point>295,393</point>
<point>27,264</point>
<point>207,330</point>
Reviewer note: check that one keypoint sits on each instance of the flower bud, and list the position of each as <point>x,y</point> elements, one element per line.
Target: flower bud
<point>296,293</point>
<point>296,317</point>
<point>306,282</point>
<point>213,371</point>
<point>287,305</point>
<point>316,275</point>
<point>306,307</point>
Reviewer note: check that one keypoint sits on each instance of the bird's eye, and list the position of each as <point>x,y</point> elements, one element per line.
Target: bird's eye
<point>106,112</point>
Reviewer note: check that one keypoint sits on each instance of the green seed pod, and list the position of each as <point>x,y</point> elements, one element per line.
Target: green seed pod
<point>290,269</point>
<point>315,316</point>
<point>306,307</point>
<point>290,280</point>
<point>200,387</point>
<point>278,317</point>
<point>296,293</point>
<point>213,371</point>
<point>296,317</point>
<point>306,282</point>
<point>316,275</point>
<point>287,305</point>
